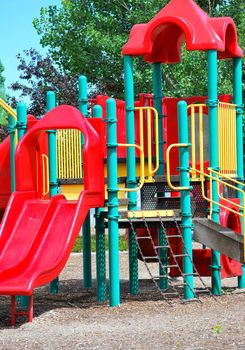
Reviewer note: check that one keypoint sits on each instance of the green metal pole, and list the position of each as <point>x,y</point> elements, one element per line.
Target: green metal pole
<point>86,229</point>
<point>113,203</point>
<point>53,184</point>
<point>185,200</point>
<point>237,96</point>
<point>100,239</point>
<point>21,126</point>
<point>157,98</point>
<point>11,130</point>
<point>131,170</point>
<point>212,104</point>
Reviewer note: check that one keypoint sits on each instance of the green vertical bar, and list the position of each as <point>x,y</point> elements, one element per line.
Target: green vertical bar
<point>21,126</point>
<point>157,98</point>
<point>53,184</point>
<point>237,96</point>
<point>131,170</point>
<point>212,104</point>
<point>86,229</point>
<point>113,203</point>
<point>11,130</point>
<point>185,201</point>
<point>100,239</point>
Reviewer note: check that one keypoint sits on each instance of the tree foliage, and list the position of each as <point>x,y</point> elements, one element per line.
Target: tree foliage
<point>3,115</point>
<point>38,75</point>
<point>86,37</point>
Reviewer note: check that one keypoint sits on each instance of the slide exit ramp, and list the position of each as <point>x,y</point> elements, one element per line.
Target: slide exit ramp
<point>220,238</point>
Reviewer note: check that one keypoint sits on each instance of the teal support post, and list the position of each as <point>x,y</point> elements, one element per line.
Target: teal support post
<point>11,130</point>
<point>53,184</point>
<point>100,239</point>
<point>212,104</point>
<point>113,203</point>
<point>86,229</point>
<point>21,126</point>
<point>237,97</point>
<point>185,201</point>
<point>157,98</point>
<point>131,170</point>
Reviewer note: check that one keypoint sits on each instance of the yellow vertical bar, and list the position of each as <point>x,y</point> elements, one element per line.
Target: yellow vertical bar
<point>71,152</point>
<point>201,147</point>
<point>235,148</point>
<point>229,154</point>
<point>149,144</point>
<point>220,135</point>
<point>70,155</point>
<point>75,153</point>
<point>61,154</point>
<point>142,135</point>
<point>66,155</point>
<point>193,141</point>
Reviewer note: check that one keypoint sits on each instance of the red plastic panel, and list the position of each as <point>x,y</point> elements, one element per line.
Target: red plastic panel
<point>62,117</point>
<point>37,235</point>
<point>182,21</point>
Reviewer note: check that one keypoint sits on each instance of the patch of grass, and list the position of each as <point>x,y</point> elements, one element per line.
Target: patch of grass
<point>77,248</point>
<point>217,328</point>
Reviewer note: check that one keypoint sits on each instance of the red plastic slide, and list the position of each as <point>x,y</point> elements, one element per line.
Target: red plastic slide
<point>5,178</point>
<point>36,236</point>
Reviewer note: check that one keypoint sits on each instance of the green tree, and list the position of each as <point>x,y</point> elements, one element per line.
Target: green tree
<point>87,37</point>
<point>3,115</point>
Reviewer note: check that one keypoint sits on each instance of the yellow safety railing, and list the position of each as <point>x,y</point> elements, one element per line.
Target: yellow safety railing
<point>142,167</point>
<point>11,112</point>
<point>45,169</point>
<point>150,113</point>
<point>197,109</point>
<point>69,154</point>
<point>8,109</point>
<point>218,178</point>
<point>215,176</point>
<point>168,176</point>
<point>227,139</point>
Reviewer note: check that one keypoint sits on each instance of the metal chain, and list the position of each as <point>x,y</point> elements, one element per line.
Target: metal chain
<point>175,259</point>
<point>191,260</point>
<point>147,267</point>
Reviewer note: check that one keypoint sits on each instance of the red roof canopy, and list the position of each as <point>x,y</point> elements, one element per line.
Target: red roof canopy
<point>162,38</point>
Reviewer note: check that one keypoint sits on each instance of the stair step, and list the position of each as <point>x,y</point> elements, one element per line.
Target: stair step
<point>151,257</point>
<point>181,255</point>
<point>196,291</point>
<point>174,236</point>
<point>145,237</point>
<point>162,246</point>
<point>170,293</point>
<point>161,276</point>
<point>190,274</point>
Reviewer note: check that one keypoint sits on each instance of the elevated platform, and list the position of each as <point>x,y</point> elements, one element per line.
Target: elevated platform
<point>140,218</point>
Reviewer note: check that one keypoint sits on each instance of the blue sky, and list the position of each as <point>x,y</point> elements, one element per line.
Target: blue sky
<point>17,32</point>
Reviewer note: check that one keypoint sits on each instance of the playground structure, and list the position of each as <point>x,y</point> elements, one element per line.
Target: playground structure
<point>179,162</point>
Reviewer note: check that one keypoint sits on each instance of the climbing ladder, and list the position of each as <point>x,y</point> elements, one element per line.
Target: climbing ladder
<point>174,288</point>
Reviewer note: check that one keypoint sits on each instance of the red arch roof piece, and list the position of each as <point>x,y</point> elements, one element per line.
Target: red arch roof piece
<point>226,29</point>
<point>161,39</point>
